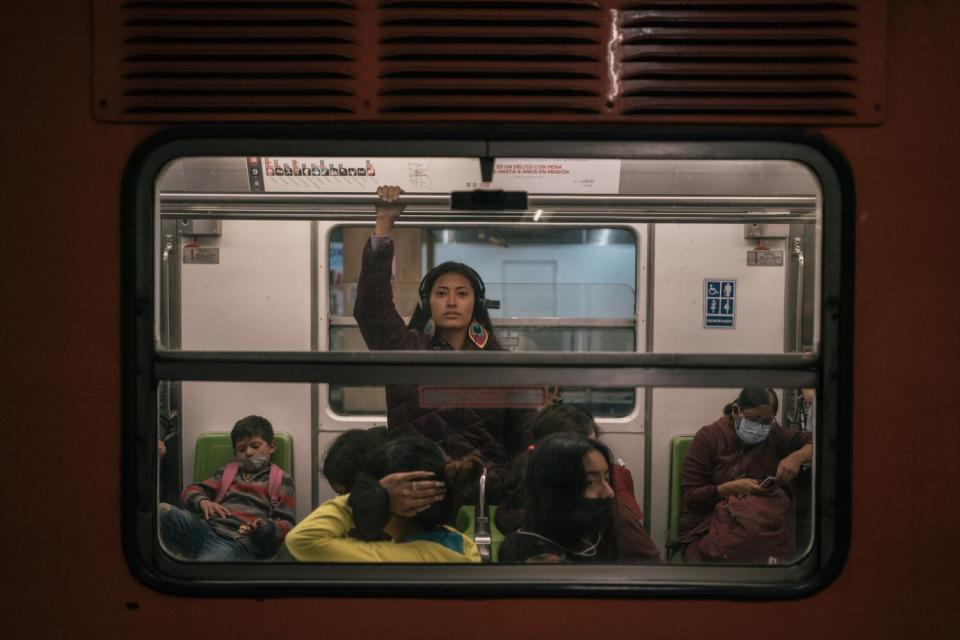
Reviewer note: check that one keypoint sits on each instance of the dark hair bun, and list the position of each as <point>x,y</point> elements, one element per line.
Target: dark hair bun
<point>371,508</point>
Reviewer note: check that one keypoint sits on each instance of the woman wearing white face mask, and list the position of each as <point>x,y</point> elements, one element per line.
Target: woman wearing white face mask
<point>731,458</point>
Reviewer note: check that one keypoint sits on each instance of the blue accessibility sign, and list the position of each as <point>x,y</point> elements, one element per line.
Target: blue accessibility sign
<point>719,303</point>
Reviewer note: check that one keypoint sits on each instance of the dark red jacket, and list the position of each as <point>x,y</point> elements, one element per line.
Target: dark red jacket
<point>622,482</point>
<point>495,435</point>
<point>717,455</point>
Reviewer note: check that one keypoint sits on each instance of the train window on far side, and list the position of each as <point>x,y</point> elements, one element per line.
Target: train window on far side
<point>546,288</point>
<point>619,366</point>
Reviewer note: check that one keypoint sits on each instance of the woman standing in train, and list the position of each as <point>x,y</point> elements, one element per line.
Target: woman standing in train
<point>740,468</point>
<point>450,315</point>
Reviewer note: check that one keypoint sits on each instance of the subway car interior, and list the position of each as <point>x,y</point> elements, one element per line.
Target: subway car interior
<point>607,258</point>
<point>572,273</point>
<point>477,319</point>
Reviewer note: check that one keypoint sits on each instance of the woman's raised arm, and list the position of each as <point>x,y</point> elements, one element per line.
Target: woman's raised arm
<point>388,210</point>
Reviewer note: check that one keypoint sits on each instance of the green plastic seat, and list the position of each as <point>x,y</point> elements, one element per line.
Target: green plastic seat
<point>466,524</point>
<point>678,451</point>
<point>214,449</point>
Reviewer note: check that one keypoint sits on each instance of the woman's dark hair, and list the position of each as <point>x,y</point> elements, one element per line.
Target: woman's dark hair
<point>370,502</point>
<point>421,313</point>
<point>555,418</point>
<point>563,418</point>
<point>751,397</point>
<point>556,480</point>
<point>346,455</point>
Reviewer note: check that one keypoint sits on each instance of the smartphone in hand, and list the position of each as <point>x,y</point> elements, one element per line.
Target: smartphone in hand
<point>768,482</point>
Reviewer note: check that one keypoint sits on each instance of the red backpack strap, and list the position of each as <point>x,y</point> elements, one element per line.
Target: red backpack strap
<point>276,481</point>
<point>229,473</point>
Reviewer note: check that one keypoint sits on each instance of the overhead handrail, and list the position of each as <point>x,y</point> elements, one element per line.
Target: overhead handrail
<point>807,202</point>
<point>580,217</point>
<point>541,209</point>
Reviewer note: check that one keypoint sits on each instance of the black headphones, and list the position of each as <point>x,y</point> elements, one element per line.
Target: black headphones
<point>479,290</point>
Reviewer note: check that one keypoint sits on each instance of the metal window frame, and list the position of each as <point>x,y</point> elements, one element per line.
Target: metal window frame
<point>144,364</point>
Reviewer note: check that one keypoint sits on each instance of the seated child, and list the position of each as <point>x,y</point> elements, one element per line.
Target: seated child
<point>345,456</point>
<point>246,521</point>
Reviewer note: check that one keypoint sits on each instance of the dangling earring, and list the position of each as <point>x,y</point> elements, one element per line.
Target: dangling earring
<point>429,329</point>
<point>478,334</point>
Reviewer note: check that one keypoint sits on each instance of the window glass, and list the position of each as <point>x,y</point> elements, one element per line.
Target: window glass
<point>664,314</point>
<point>559,289</point>
<point>668,257</point>
<point>663,477</point>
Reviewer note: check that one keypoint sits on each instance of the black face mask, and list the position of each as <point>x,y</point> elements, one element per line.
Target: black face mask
<point>592,515</point>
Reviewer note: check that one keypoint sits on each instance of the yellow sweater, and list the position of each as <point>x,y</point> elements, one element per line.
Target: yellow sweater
<point>322,537</point>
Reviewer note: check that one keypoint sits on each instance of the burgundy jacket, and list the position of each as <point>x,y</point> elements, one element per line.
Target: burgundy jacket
<point>717,455</point>
<point>622,482</point>
<point>494,435</point>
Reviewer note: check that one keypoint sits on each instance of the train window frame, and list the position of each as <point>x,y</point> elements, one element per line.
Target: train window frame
<point>346,420</point>
<point>145,364</point>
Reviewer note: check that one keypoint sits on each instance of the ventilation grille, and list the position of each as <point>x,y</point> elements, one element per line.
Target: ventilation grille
<point>758,58</point>
<point>474,57</point>
<point>756,61</point>
<point>200,60</point>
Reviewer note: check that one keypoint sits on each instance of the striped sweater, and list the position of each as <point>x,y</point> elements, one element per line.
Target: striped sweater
<point>248,500</point>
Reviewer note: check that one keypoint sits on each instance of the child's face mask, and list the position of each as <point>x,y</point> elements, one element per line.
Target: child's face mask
<point>253,453</point>
<point>255,462</point>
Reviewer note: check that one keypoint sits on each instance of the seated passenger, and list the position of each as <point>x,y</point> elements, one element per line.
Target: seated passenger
<point>243,512</point>
<point>742,463</point>
<point>633,541</point>
<point>398,511</point>
<point>346,455</point>
<point>570,507</point>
